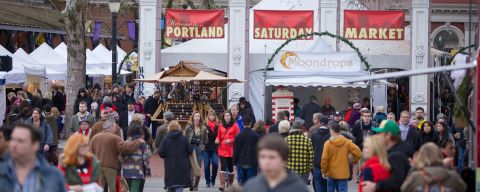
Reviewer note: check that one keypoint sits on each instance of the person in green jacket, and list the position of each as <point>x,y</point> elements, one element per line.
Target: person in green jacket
<point>79,165</point>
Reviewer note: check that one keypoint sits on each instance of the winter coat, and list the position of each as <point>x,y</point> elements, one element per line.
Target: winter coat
<point>75,122</point>
<point>448,178</point>
<point>244,148</point>
<point>73,178</point>
<point>151,105</point>
<point>52,121</point>
<point>58,101</point>
<point>274,128</point>
<point>48,177</point>
<point>224,149</point>
<point>334,162</point>
<point>354,116</point>
<point>307,113</point>
<point>423,138</point>
<point>247,113</point>
<point>359,130</point>
<point>399,165</point>
<point>136,165</point>
<point>300,158</point>
<point>161,133</point>
<point>190,133</point>
<point>175,149</point>
<point>318,140</point>
<point>46,137</point>
<point>379,117</point>
<point>373,171</point>
<point>212,129</point>
<point>289,184</point>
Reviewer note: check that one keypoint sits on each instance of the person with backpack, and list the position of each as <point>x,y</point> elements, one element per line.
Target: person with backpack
<point>429,173</point>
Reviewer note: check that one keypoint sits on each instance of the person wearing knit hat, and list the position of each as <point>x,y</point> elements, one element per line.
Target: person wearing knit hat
<point>354,114</point>
<point>284,128</point>
<point>84,128</point>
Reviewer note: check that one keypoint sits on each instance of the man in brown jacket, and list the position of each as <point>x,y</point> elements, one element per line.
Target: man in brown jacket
<point>108,146</point>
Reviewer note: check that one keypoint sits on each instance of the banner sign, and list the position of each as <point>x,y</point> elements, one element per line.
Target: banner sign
<point>374,25</point>
<point>326,62</point>
<point>281,24</point>
<point>194,24</point>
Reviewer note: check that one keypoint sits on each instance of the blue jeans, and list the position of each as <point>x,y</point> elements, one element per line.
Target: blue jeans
<point>199,154</point>
<point>461,155</point>
<point>244,174</point>
<point>210,157</point>
<point>340,185</point>
<point>319,182</point>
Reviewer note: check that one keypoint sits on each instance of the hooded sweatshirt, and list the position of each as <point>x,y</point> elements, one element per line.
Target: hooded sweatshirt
<point>448,178</point>
<point>291,183</point>
<point>335,157</point>
<point>319,138</point>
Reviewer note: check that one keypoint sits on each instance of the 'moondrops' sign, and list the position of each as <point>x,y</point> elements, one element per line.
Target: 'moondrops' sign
<point>326,62</point>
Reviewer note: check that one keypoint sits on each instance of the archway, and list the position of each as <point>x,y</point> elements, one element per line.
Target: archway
<point>447,37</point>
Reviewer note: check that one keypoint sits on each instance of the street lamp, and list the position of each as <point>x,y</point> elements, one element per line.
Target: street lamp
<point>114,8</point>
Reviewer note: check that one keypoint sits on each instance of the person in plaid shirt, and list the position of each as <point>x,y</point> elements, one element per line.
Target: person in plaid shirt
<point>300,159</point>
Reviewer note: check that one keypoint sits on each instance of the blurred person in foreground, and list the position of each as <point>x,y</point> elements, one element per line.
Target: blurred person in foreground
<point>80,168</point>
<point>136,165</point>
<point>272,152</point>
<point>376,167</point>
<point>25,169</point>
<point>429,174</point>
<point>5,136</point>
<point>244,156</point>
<point>398,154</point>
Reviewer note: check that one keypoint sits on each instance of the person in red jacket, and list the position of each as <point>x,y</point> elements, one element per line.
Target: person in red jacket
<point>376,167</point>
<point>225,138</point>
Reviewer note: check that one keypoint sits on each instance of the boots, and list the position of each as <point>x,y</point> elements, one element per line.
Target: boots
<point>222,180</point>
<point>231,177</point>
<point>195,185</point>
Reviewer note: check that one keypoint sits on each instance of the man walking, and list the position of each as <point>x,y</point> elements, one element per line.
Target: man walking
<point>244,154</point>
<point>107,147</point>
<point>126,117</point>
<point>81,115</point>
<point>300,160</point>
<point>162,130</point>
<point>25,169</point>
<point>319,137</point>
<point>335,165</point>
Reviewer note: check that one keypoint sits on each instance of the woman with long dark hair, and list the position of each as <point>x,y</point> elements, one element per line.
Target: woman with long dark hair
<point>444,134</point>
<point>426,134</point>
<point>225,138</point>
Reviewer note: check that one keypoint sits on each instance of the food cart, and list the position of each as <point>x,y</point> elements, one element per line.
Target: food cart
<point>186,88</point>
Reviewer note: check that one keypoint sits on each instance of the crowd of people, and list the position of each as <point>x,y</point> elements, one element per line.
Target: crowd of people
<point>111,138</point>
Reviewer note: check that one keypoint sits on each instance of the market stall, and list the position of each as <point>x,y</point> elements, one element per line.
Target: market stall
<point>189,87</point>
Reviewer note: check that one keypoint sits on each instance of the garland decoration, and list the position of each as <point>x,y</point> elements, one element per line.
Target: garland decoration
<point>326,33</point>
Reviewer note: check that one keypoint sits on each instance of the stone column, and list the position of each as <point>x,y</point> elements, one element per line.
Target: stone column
<point>149,44</point>
<point>237,48</point>
<point>328,20</point>
<point>419,88</point>
<point>470,31</point>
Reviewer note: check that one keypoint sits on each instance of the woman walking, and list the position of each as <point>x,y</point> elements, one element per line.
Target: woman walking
<point>376,167</point>
<point>196,133</point>
<point>175,149</point>
<point>210,156</point>
<point>225,138</point>
<point>79,165</point>
<point>136,166</point>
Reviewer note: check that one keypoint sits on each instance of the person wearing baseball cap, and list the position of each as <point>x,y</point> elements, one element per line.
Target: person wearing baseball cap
<point>84,128</point>
<point>337,117</point>
<point>398,154</point>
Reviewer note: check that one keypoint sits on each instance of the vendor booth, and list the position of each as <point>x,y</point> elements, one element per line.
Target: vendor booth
<point>189,87</point>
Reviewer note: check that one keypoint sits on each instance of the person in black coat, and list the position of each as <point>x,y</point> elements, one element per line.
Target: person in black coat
<point>319,137</point>
<point>58,99</point>
<point>151,105</point>
<point>363,128</point>
<point>246,110</point>
<point>425,135</point>
<point>244,154</point>
<point>128,94</point>
<point>124,119</point>
<point>175,149</point>
<point>82,96</point>
<point>308,110</point>
<point>118,102</point>
<point>280,117</point>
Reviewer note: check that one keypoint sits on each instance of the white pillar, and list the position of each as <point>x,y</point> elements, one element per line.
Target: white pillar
<point>470,30</point>
<point>148,47</point>
<point>328,20</point>
<point>237,48</point>
<point>419,92</point>
<point>3,95</point>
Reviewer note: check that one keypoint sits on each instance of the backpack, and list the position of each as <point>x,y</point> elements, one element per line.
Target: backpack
<point>431,184</point>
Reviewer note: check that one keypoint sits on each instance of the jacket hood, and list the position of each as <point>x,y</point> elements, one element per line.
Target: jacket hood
<point>174,134</point>
<point>438,171</point>
<point>338,140</point>
<point>323,131</point>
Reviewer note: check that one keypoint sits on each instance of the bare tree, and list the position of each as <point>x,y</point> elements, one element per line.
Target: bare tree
<point>74,18</point>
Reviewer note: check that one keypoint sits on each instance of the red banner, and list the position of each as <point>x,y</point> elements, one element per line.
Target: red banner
<point>190,24</point>
<point>374,25</point>
<point>281,24</point>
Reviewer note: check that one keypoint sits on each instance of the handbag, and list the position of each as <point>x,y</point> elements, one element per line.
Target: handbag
<point>196,170</point>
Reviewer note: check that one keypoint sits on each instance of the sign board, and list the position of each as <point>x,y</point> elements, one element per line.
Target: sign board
<point>194,24</point>
<point>326,62</point>
<point>374,25</point>
<point>279,24</point>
